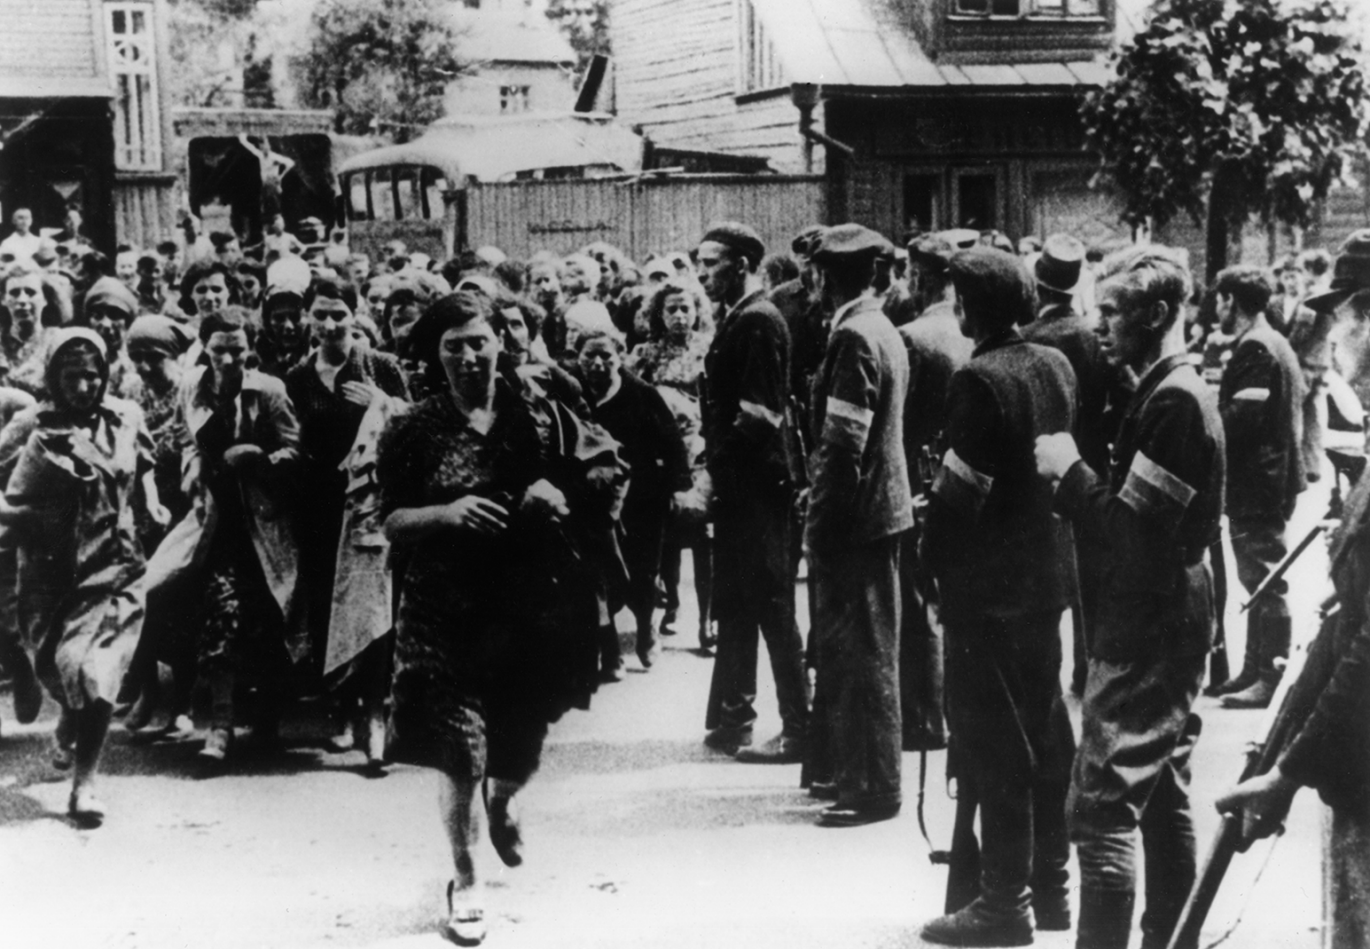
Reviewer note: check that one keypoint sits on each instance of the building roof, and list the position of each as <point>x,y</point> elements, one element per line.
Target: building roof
<point>869,43</point>
<point>47,51</point>
<point>498,36</point>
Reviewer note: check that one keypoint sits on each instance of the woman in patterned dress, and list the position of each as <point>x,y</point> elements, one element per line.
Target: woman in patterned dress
<point>70,509</point>
<point>468,511</point>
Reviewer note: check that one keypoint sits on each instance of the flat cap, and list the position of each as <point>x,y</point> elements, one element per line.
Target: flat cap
<point>803,242</point>
<point>995,283</point>
<point>932,251</point>
<point>850,242</point>
<point>737,237</point>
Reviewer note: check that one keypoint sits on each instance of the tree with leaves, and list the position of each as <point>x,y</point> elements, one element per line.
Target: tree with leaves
<point>202,75</point>
<point>1231,109</point>
<point>380,65</point>
<point>585,23</point>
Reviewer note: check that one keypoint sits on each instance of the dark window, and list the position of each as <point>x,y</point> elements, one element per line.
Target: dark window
<point>977,202</point>
<point>921,193</point>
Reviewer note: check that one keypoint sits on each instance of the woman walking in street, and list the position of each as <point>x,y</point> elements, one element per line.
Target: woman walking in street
<point>70,509</point>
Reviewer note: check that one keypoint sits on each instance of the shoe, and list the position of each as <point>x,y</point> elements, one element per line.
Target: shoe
<point>823,791</point>
<point>64,741</point>
<point>343,738</point>
<point>782,749</point>
<point>28,693</point>
<point>1052,915</point>
<point>465,926</point>
<point>85,808</point>
<point>217,743</point>
<point>728,740</point>
<point>648,650</point>
<point>1239,683</point>
<point>1258,695</point>
<point>610,674</point>
<point>182,728</point>
<point>667,627</point>
<point>708,638</point>
<point>980,925</point>
<point>369,736</point>
<point>856,814</point>
<point>141,713</point>
<point>505,832</point>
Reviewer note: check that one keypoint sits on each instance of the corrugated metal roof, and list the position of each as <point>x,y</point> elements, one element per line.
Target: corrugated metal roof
<point>866,43</point>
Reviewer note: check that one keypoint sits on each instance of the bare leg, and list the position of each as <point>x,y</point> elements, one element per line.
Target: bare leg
<point>466,902</point>
<point>92,724</point>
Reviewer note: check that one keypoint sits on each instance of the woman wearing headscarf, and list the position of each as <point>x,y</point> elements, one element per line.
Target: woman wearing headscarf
<point>69,508</point>
<point>110,308</point>
<point>471,513</point>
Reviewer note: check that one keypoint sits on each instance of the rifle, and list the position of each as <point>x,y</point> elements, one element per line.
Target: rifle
<point>1283,566</point>
<point>1279,726</point>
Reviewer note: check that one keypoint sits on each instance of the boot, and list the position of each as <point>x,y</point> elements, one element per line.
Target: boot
<point>1275,636</point>
<point>981,924</point>
<point>1105,919</point>
<point>1251,661</point>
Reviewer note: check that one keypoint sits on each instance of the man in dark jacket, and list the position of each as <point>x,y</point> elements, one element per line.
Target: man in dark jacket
<point>1060,326</point>
<point>746,389</point>
<point>859,505</point>
<point>1156,517</point>
<point>1003,564</point>
<point>1261,401</point>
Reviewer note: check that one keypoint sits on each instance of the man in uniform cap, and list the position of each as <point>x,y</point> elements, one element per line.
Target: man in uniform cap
<point>859,505</point>
<point>746,391</point>
<point>1157,513</point>
<point>1003,564</point>
<point>1060,325</point>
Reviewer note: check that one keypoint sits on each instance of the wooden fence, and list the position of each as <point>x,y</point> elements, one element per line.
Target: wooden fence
<point>641,216</point>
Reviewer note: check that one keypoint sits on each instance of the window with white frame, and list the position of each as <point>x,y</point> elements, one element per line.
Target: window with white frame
<point>132,52</point>
<point>759,67</point>
<point>1019,8</point>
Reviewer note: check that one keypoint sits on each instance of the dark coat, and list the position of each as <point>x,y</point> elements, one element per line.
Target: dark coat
<point>1261,402</point>
<point>804,318</point>
<point>1155,518</point>
<point>746,394</point>
<point>992,540</point>
<point>1063,329</point>
<point>1330,702</point>
<point>859,480</point>
<point>638,419</point>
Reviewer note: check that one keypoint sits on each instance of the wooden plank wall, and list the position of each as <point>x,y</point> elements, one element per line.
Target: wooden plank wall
<point>675,73</point>
<point>640,217</point>
<point>47,38</point>
<point>144,211</point>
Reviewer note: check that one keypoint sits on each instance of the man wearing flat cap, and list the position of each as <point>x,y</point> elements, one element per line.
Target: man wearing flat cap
<point>746,391</point>
<point>1004,565</point>
<point>1061,326</point>
<point>798,303</point>
<point>936,348</point>
<point>859,505</point>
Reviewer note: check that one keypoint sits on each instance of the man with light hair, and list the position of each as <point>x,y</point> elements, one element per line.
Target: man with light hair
<point>1156,514</point>
<point>23,243</point>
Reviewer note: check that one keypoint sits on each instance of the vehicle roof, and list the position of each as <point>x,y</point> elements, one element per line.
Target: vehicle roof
<point>488,148</point>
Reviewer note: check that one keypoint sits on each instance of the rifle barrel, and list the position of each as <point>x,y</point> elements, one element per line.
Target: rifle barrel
<point>1283,566</point>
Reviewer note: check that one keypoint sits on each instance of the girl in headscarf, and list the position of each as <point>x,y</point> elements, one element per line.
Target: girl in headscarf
<point>69,508</point>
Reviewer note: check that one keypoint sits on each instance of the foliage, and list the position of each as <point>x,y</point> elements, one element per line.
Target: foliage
<point>381,65</point>
<point>1269,96</point>
<point>204,38</point>
<point>586,26</point>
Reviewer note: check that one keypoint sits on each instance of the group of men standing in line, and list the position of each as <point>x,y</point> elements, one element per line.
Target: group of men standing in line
<point>1073,465</point>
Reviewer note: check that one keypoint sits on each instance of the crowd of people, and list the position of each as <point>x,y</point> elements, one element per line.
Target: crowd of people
<point>423,490</point>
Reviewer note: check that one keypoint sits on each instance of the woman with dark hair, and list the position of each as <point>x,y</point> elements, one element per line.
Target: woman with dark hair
<point>673,361</point>
<point>207,287</point>
<point>242,443</point>
<point>635,414</point>
<point>472,516</point>
<point>86,463</point>
<point>332,391</point>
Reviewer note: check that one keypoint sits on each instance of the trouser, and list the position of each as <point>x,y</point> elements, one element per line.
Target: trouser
<point>857,624</point>
<point>696,538</point>
<point>1132,772</point>
<point>754,592</point>
<point>1258,545</point>
<point>1347,871</point>
<point>1014,743</point>
<point>1090,557</point>
<point>920,655</point>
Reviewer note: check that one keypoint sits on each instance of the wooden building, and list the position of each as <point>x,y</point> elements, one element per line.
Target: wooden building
<point>83,117</point>
<point>920,113</point>
<point>522,62</point>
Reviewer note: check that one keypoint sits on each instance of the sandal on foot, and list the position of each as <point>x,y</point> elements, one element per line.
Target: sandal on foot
<point>465,925</point>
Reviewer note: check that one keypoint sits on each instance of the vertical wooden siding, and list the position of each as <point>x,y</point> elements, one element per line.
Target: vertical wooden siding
<point>144,212</point>
<point>641,217</point>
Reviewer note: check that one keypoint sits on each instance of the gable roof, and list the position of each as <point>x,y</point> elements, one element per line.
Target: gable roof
<point>47,50</point>
<point>868,43</point>
<point>498,36</point>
